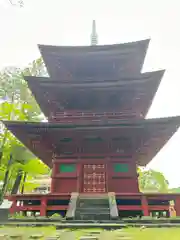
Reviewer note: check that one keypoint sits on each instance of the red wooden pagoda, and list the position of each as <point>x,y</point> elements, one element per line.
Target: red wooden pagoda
<point>95,100</point>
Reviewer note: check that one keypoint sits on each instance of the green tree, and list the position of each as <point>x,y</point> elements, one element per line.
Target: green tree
<point>174,190</point>
<point>13,87</point>
<point>152,181</point>
<point>22,159</point>
<point>18,104</point>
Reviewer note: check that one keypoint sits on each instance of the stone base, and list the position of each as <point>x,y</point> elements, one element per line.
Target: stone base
<point>4,210</point>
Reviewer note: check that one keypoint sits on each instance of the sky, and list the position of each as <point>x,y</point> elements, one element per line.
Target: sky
<point>68,22</point>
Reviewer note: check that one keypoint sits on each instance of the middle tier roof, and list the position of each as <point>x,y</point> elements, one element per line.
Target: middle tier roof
<point>127,97</point>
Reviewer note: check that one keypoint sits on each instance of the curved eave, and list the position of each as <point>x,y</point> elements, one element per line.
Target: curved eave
<point>148,82</point>
<point>148,136</point>
<point>130,55</point>
<point>153,145</point>
<point>141,44</point>
<point>122,81</point>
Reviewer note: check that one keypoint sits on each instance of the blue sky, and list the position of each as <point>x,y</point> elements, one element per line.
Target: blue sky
<point>61,22</point>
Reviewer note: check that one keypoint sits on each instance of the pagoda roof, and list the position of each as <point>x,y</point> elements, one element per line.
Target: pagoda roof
<point>126,95</point>
<point>144,137</point>
<point>107,62</point>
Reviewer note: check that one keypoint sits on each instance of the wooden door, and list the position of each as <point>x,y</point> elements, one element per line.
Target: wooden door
<point>94,178</point>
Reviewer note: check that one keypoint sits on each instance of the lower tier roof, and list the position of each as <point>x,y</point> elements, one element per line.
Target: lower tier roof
<point>140,140</point>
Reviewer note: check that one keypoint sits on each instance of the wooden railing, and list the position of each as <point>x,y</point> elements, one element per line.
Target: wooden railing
<point>93,116</point>
<point>43,206</point>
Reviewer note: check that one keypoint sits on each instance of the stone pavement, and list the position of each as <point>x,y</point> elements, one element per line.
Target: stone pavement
<point>65,235</point>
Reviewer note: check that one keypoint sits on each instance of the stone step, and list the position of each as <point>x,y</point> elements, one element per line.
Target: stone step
<point>92,201</point>
<point>93,217</point>
<point>92,208</point>
<point>93,214</point>
<point>95,203</point>
<point>94,211</point>
<point>94,198</point>
<point>96,208</point>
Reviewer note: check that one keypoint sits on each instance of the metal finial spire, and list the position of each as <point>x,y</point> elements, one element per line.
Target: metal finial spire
<point>94,36</point>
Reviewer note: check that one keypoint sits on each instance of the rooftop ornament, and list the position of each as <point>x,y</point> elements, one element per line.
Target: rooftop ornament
<point>17,3</point>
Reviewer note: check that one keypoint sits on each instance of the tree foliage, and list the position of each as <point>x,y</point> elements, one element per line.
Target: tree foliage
<point>152,181</point>
<point>14,89</point>
<point>175,190</point>
<point>17,103</point>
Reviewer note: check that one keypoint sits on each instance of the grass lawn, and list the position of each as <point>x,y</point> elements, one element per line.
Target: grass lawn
<point>134,233</point>
<point>155,234</point>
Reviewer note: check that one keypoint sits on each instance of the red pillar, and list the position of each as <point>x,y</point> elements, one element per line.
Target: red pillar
<point>53,189</point>
<point>79,177</point>
<point>12,210</point>
<point>145,208</point>
<point>177,206</point>
<point>53,180</point>
<point>43,206</point>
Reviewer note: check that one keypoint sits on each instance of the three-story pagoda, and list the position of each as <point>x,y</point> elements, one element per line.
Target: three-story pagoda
<point>96,100</point>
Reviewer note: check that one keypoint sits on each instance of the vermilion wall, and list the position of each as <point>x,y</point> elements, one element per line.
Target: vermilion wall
<point>177,206</point>
<point>115,182</point>
<point>123,185</point>
<point>123,182</point>
<point>64,182</point>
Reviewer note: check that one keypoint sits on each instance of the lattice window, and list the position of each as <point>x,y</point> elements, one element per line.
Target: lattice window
<point>94,166</point>
<point>94,178</point>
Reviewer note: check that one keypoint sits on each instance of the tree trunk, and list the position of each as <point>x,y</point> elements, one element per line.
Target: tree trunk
<point>17,182</point>
<point>5,182</point>
<point>24,179</point>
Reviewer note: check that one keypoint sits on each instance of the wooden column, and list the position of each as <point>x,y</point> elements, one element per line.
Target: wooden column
<point>52,178</point>
<point>79,176</point>
<point>53,190</point>
<point>145,207</point>
<point>177,206</point>
<point>43,206</point>
<point>13,208</point>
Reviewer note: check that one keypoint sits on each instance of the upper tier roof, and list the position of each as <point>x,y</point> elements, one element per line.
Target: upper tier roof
<point>140,138</point>
<point>130,97</point>
<point>94,62</point>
